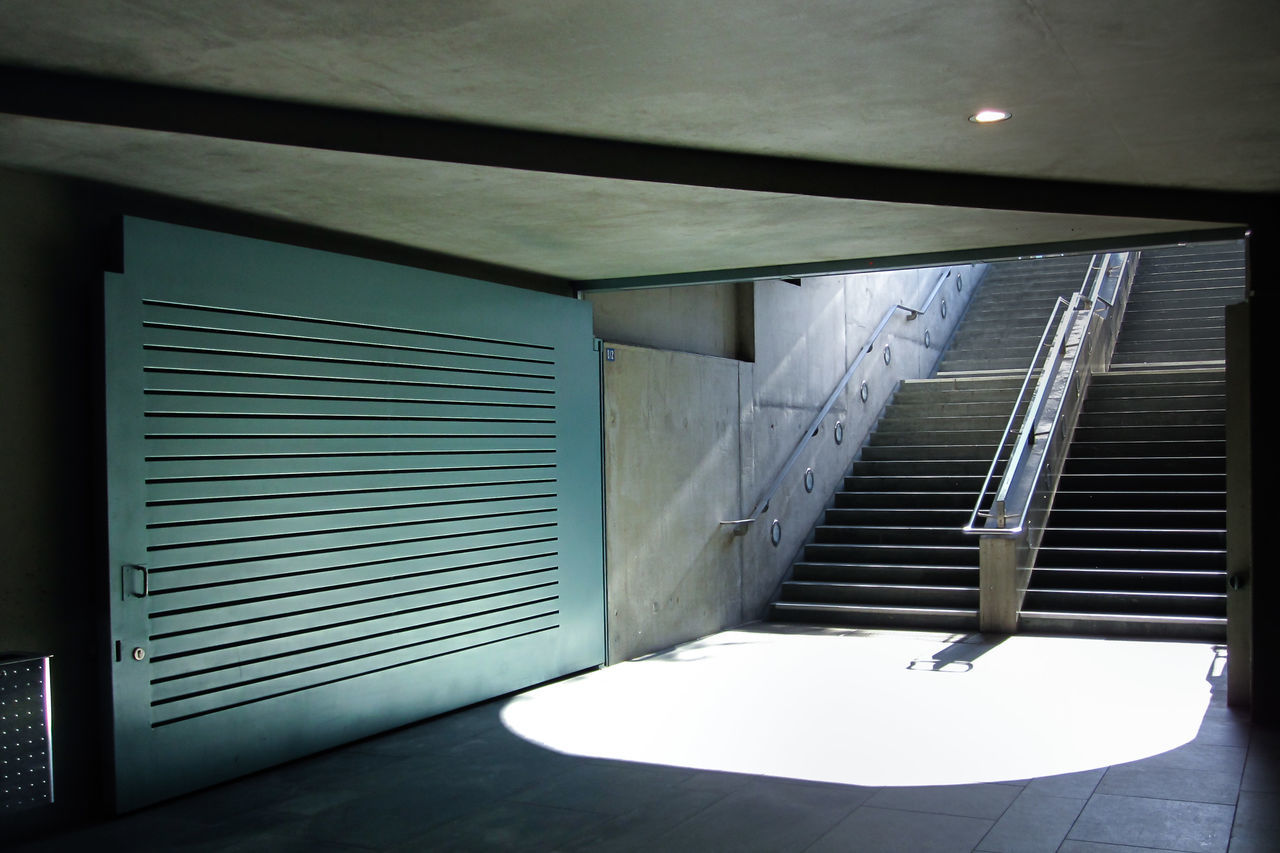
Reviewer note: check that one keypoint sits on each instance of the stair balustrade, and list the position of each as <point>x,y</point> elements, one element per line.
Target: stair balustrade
<point>1084,331</point>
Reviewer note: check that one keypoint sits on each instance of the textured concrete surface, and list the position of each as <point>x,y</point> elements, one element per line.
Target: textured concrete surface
<point>672,458</point>
<point>1172,94</point>
<point>691,440</point>
<point>1103,91</point>
<point>710,320</point>
<point>569,226</point>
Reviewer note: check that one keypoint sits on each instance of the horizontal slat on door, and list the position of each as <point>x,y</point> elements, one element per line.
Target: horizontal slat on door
<point>245,322</point>
<point>241,666</point>
<point>278,465</point>
<point>170,536</point>
<point>293,446</point>
<point>427,495</point>
<point>266,385</point>
<point>178,360</point>
<point>255,619</point>
<point>316,571</point>
<point>401,651</point>
<point>174,339</point>
<point>328,498</point>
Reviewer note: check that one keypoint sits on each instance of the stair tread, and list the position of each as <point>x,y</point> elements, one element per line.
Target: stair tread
<point>872,608</point>
<point>1125,617</point>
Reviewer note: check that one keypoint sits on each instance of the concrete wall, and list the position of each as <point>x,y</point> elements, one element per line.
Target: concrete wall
<point>711,320</point>
<point>674,572</point>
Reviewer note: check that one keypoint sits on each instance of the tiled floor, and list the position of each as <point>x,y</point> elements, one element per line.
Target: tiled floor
<point>466,782</point>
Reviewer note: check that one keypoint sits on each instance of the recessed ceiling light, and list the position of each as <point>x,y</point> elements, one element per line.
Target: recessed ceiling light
<point>990,116</point>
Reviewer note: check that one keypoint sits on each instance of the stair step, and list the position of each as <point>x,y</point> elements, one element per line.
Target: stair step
<point>921,467</point>
<point>898,516</point>
<point>876,616</point>
<point>883,452</point>
<point>1151,432</point>
<point>1126,355</point>
<point>1131,447</point>
<point>1057,536</point>
<point>1076,482</point>
<point>1097,404</point>
<point>1156,381</point>
<point>1172,416</point>
<point>867,534</point>
<point>913,482</point>
<point>947,437</point>
<point>1153,558</point>
<point>899,573</point>
<point>1139,500</point>
<point>1176,580</point>
<point>938,408</point>
<point>1142,465</point>
<point>1096,517</point>
<point>1125,625</point>
<point>939,555</point>
<point>889,500</point>
<point>1126,601</point>
<point>892,595</point>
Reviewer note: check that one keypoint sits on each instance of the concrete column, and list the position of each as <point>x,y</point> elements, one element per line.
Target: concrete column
<point>1262,265</point>
<point>1239,510</point>
<point>998,597</point>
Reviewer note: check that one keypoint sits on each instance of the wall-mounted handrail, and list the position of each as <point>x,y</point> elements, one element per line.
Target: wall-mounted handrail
<point>812,430</point>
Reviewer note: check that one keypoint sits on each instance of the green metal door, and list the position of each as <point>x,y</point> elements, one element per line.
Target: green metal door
<point>342,496</point>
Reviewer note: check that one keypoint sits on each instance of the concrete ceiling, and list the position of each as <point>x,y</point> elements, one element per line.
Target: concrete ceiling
<point>1177,94</point>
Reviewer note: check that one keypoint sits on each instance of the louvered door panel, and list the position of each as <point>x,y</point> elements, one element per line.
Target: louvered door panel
<point>356,490</point>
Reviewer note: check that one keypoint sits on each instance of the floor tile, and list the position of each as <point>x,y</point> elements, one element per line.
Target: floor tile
<point>876,830</point>
<point>985,801</point>
<point>635,831</point>
<point>507,826</point>
<point>392,817</point>
<point>768,816</point>
<point>1171,783</point>
<point>1092,847</point>
<point>1262,767</point>
<point>1144,822</point>
<point>611,788</point>
<point>1035,823</point>
<point>1257,823</point>
<point>1200,756</point>
<point>1074,785</point>
<point>1224,728</point>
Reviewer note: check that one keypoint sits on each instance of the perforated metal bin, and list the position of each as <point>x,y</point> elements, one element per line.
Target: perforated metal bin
<point>26,740</point>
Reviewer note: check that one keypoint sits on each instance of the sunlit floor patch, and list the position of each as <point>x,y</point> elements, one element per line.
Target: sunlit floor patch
<point>879,708</point>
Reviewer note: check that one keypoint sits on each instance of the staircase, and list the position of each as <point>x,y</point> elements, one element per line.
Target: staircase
<point>1135,544</point>
<point>1000,331</point>
<point>1136,541</point>
<point>890,551</point>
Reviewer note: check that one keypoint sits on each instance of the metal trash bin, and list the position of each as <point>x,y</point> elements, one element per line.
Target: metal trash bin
<point>26,735</point>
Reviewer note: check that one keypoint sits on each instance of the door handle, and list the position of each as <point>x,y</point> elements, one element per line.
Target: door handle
<point>131,575</point>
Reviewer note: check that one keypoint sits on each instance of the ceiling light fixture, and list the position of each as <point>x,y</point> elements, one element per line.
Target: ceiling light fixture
<point>990,116</point>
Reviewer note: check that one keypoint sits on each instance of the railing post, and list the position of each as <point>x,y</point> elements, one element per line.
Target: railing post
<point>998,597</point>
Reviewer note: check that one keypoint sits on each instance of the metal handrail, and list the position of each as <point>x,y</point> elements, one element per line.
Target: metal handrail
<point>1100,268</point>
<point>812,430</point>
<point>971,526</point>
